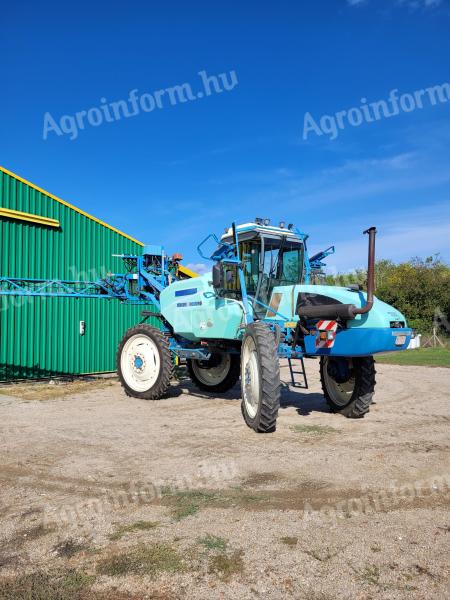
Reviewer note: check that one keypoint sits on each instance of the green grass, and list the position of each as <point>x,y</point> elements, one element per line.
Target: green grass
<point>422,357</point>
<point>138,526</point>
<point>226,565</point>
<point>186,503</point>
<point>185,510</point>
<point>213,542</point>
<point>142,560</point>
<point>67,584</point>
<point>314,429</point>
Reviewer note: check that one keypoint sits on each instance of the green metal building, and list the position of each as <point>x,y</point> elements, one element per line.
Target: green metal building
<point>44,237</point>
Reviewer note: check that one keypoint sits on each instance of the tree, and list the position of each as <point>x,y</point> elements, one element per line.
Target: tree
<point>418,288</point>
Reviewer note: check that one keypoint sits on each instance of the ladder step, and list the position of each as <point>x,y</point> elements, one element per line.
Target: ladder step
<point>302,373</point>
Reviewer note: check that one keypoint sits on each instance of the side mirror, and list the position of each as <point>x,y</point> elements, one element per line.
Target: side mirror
<point>218,276</point>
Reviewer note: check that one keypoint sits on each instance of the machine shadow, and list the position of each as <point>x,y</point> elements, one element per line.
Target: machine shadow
<point>184,385</point>
<point>304,403</point>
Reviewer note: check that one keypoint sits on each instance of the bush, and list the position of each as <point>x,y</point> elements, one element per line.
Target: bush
<point>419,288</point>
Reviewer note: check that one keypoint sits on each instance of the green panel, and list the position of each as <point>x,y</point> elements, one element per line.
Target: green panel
<point>40,336</point>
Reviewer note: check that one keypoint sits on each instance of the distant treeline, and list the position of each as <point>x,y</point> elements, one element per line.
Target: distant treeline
<point>419,288</point>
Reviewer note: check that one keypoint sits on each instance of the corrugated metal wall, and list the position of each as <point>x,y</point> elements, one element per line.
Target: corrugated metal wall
<point>41,336</point>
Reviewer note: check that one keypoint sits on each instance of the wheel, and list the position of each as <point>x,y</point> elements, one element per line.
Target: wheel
<point>144,363</point>
<point>218,374</point>
<point>348,384</point>
<point>260,378</point>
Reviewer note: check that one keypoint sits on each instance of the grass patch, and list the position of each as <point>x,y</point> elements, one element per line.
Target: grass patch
<point>314,429</point>
<point>143,560</point>
<point>213,542</point>
<point>185,503</point>
<point>421,357</point>
<point>289,541</point>
<point>47,391</point>
<point>138,526</point>
<point>250,499</point>
<point>68,584</point>
<point>226,565</point>
<point>200,495</point>
<point>186,510</point>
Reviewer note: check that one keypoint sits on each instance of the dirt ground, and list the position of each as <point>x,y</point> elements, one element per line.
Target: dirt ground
<point>108,497</point>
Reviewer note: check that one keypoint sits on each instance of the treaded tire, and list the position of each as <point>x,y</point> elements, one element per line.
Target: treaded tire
<point>226,384</point>
<point>362,396</point>
<point>268,399</point>
<point>162,383</point>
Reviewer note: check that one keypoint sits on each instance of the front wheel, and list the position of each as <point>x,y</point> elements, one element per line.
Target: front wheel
<point>260,378</point>
<point>144,363</point>
<point>348,384</point>
<point>218,374</point>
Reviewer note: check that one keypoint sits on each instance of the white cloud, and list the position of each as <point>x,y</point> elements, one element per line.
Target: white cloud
<point>355,2</point>
<point>199,268</point>
<point>402,235</point>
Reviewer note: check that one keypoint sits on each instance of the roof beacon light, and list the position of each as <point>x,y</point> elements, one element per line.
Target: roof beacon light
<point>266,222</point>
<point>258,221</point>
<point>282,224</point>
<point>290,226</point>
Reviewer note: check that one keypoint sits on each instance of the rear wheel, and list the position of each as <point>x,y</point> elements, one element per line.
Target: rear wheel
<point>348,384</point>
<point>144,362</point>
<point>260,378</point>
<point>218,374</point>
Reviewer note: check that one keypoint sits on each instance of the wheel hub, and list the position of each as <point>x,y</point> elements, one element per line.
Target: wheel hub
<point>139,362</point>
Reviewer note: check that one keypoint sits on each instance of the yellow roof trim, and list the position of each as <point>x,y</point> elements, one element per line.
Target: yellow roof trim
<point>78,210</point>
<point>187,271</point>
<point>32,218</point>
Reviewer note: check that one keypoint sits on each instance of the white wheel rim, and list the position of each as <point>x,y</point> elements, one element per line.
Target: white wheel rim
<point>140,363</point>
<point>250,377</point>
<point>214,375</point>
<point>340,393</point>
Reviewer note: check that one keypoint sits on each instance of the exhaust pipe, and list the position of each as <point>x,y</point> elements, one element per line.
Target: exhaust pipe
<point>346,311</point>
<point>372,231</point>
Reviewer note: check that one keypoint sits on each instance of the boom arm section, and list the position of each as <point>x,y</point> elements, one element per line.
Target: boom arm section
<point>142,283</point>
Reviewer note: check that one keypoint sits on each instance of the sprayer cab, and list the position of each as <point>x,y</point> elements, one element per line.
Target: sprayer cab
<point>269,257</point>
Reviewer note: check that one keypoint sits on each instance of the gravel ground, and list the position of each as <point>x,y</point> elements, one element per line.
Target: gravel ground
<point>104,496</point>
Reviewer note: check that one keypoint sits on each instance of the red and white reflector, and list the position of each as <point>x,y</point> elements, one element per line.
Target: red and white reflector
<point>326,334</point>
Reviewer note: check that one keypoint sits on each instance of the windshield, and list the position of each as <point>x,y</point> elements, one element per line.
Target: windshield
<point>267,263</point>
<point>283,262</point>
<point>271,262</point>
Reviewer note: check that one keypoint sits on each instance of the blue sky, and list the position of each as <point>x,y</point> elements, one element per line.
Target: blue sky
<point>182,170</point>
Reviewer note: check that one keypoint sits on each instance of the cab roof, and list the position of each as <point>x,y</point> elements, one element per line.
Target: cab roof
<point>264,229</point>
